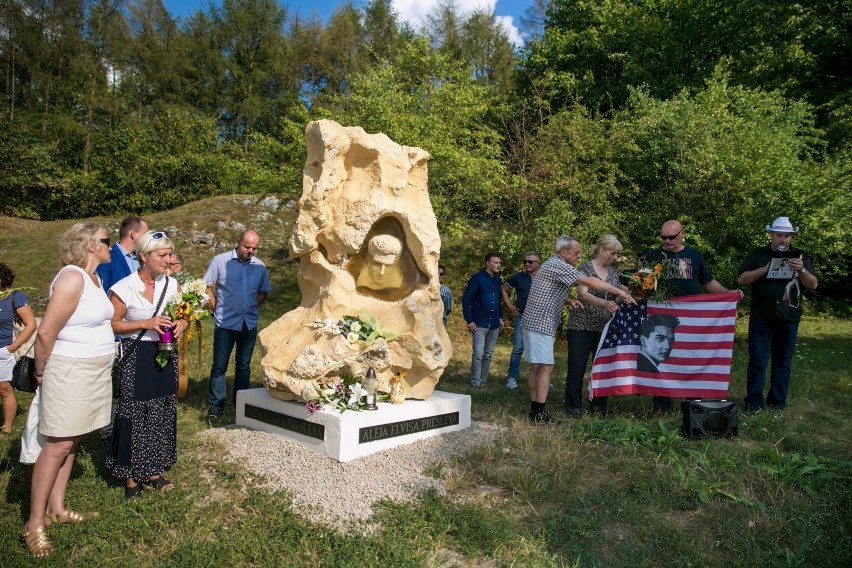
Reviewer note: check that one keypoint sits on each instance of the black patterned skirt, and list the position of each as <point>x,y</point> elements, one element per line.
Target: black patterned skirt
<point>144,437</point>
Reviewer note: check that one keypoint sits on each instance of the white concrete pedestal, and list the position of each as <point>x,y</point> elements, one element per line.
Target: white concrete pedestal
<point>351,435</point>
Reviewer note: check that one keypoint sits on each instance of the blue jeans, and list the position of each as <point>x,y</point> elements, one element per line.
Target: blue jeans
<point>517,349</point>
<point>484,341</point>
<point>223,343</point>
<point>767,337</point>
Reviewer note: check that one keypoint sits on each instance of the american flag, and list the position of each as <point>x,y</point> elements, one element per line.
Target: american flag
<point>699,365</point>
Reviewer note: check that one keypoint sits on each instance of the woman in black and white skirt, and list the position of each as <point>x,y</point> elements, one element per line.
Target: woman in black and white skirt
<point>144,437</point>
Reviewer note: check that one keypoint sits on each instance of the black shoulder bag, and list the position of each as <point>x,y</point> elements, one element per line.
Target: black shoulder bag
<point>23,375</point>
<point>121,362</point>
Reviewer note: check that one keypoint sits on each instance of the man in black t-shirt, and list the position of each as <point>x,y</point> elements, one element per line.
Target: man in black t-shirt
<point>685,273</point>
<point>521,282</point>
<point>775,312</point>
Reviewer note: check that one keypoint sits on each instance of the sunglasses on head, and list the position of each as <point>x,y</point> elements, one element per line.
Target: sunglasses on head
<point>158,235</point>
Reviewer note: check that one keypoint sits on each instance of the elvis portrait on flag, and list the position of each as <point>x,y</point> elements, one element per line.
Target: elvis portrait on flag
<point>680,348</point>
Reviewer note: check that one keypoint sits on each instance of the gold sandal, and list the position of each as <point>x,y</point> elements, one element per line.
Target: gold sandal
<point>71,517</point>
<point>37,542</point>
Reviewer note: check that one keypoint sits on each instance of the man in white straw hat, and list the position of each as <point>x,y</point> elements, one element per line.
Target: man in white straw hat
<point>775,312</point>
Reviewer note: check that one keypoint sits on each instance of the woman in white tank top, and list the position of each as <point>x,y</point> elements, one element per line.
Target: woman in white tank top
<point>74,352</point>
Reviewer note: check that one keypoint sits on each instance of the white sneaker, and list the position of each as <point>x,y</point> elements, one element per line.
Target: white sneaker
<point>511,384</point>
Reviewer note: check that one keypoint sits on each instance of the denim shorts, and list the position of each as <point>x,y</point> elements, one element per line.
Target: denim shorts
<point>538,348</point>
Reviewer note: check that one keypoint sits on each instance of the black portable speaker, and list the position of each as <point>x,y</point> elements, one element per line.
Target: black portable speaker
<point>709,418</point>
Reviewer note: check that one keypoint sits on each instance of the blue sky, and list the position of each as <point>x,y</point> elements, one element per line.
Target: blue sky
<point>509,11</point>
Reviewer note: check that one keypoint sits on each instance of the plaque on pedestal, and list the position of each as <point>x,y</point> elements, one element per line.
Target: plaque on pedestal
<point>352,434</point>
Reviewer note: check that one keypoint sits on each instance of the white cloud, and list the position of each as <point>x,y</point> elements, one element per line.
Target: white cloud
<point>413,12</point>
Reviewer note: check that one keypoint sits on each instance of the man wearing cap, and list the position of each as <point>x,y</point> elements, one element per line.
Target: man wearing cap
<point>775,312</point>
<point>686,273</point>
<point>481,308</point>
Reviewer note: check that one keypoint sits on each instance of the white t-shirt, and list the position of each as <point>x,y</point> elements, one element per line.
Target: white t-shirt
<point>130,289</point>
<point>88,332</point>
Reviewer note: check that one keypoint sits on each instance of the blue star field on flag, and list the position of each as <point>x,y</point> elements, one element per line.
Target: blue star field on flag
<point>624,327</point>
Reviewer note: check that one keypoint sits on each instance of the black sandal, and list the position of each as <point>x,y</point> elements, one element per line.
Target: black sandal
<point>161,484</point>
<point>131,493</point>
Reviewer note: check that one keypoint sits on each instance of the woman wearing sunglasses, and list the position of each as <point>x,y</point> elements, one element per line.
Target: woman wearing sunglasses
<point>73,357</point>
<point>145,433</point>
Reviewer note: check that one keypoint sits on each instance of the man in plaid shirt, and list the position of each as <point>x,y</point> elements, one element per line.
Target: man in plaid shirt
<point>543,314</point>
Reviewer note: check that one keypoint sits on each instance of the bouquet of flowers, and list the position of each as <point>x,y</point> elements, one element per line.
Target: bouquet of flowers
<point>191,305</point>
<point>647,283</point>
<point>365,328</point>
<point>345,393</point>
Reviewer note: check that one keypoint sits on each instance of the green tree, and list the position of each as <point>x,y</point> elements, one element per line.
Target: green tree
<point>726,161</point>
<point>251,51</point>
<point>425,98</point>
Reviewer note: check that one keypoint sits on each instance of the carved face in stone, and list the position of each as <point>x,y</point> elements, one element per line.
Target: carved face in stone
<point>382,270</point>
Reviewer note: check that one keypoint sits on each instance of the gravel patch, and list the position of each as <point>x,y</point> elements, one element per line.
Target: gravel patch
<point>342,495</point>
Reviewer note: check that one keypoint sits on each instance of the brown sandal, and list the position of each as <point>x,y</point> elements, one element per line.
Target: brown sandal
<point>71,517</point>
<point>37,542</point>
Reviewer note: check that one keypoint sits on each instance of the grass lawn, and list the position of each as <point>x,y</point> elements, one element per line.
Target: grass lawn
<point>625,491</point>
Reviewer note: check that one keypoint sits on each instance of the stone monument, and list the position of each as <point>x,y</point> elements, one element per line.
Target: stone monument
<point>368,246</point>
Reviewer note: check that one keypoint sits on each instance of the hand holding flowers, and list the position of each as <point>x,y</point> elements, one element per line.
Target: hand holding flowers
<point>185,308</point>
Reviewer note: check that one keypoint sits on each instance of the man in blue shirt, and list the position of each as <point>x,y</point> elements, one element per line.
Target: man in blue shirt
<point>237,283</point>
<point>446,294</point>
<point>481,306</point>
<point>521,282</point>
<point>122,258</point>
<point>122,261</point>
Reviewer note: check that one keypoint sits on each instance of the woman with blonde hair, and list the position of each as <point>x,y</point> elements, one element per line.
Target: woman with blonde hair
<point>13,305</point>
<point>586,325</point>
<point>144,437</point>
<point>74,351</point>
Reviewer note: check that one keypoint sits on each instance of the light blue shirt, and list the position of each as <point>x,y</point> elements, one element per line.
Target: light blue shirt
<point>237,285</point>
<point>130,258</point>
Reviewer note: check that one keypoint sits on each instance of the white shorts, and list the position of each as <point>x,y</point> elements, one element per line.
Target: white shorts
<point>538,348</point>
<point>7,364</point>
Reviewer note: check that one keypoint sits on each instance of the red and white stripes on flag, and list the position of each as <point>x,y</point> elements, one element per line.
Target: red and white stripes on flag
<point>699,364</point>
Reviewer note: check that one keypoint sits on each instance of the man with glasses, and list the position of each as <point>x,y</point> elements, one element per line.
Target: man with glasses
<point>543,316</point>
<point>446,294</point>
<point>238,284</point>
<point>685,272</point>
<point>521,283</point>
<point>123,258</point>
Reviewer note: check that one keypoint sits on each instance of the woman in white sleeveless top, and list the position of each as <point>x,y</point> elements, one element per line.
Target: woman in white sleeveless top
<point>144,435</point>
<point>74,352</point>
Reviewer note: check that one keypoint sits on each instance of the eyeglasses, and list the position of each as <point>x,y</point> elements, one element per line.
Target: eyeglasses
<point>672,237</point>
<point>158,235</point>
<point>105,241</point>
<point>530,261</point>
